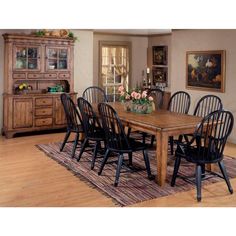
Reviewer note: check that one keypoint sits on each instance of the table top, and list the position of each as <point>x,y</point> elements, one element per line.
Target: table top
<point>158,119</point>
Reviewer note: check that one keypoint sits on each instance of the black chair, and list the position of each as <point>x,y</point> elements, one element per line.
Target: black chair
<point>74,121</point>
<point>180,103</point>
<point>157,95</point>
<point>92,129</point>
<point>118,142</point>
<point>94,94</point>
<point>206,105</point>
<point>206,147</point>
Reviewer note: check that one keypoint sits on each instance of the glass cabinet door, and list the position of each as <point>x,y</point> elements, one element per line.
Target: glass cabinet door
<point>26,58</point>
<point>57,58</point>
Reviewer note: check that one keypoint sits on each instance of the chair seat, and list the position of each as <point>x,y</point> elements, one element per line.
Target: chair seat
<point>78,128</point>
<point>134,146</point>
<point>192,155</point>
<point>97,135</point>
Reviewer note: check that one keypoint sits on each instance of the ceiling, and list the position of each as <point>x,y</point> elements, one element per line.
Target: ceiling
<point>134,31</point>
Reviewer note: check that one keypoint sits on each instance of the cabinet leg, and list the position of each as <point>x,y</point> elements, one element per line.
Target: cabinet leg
<point>9,134</point>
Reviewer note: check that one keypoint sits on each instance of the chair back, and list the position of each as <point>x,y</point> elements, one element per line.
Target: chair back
<point>179,102</point>
<point>207,104</point>
<point>116,138</point>
<point>73,117</point>
<point>211,135</point>
<point>94,94</point>
<point>90,121</point>
<point>157,95</point>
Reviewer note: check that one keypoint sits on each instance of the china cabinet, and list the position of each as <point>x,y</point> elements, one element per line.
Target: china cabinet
<point>34,67</point>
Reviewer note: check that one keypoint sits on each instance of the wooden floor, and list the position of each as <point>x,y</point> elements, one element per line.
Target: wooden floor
<point>29,178</point>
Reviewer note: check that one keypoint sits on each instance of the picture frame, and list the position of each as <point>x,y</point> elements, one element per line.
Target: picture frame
<point>160,75</point>
<point>205,70</point>
<point>159,54</point>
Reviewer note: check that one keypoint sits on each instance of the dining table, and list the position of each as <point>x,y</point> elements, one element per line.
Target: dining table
<point>162,124</point>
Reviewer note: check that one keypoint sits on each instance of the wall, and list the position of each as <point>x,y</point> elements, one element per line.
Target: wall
<point>187,40</point>
<point>138,58</point>
<point>83,62</point>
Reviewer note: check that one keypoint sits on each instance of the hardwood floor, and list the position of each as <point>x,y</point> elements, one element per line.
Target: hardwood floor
<point>29,178</point>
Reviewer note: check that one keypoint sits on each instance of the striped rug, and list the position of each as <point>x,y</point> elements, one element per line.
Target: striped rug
<point>133,187</point>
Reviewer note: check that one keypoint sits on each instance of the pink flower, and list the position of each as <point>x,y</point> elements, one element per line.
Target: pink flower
<point>121,88</point>
<point>122,93</point>
<point>150,98</point>
<point>133,94</point>
<point>144,94</point>
<point>127,97</point>
<point>137,96</point>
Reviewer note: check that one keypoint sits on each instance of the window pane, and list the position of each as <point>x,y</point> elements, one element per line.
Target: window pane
<point>114,69</point>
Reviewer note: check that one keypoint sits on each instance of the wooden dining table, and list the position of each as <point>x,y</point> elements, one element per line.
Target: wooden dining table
<point>162,124</point>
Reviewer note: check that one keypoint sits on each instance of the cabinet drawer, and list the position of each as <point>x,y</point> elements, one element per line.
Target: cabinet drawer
<point>43,101</point>
<point>19,76</point>
<point>50,75</point>
<point>43,111</point>
<point>34,76</point>
<point>43,121</point>
<point>64,75</point>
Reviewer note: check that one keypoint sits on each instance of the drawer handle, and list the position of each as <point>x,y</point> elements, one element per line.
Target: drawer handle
<point>43,101</point>
<point>43,111</point>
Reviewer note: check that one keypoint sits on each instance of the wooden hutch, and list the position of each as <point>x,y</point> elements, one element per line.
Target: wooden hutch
<point>40,63</point>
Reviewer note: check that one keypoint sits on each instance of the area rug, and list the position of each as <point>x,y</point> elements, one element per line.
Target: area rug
<point>134,186</point>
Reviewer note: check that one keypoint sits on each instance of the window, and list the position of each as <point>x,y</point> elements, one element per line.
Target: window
<point>114,67</point>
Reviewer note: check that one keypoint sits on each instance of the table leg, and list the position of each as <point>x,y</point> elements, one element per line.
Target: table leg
<point>161,155</point>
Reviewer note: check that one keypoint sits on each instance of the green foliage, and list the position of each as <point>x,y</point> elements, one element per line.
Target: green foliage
<point>40,33</point>
<point>71,35</point>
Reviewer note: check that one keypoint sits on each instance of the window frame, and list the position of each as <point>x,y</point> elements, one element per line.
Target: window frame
<point>114,44</point>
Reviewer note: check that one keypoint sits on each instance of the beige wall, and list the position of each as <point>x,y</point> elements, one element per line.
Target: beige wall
<point>138,58</point>
<point>83,60</point>
<point>187,40</point>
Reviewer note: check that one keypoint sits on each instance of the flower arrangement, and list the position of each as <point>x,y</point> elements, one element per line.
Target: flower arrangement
<point>138,100</point>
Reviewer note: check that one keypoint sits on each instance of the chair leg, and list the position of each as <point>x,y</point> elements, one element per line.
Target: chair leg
<point>97,145</point>
<point>198,182</point>
<point>105,158</point>
<point>119,165</point>
<point>147,164</point>
<point>203,170</point>
<point>65,140</point>
<point>82,148</point>
<point>144,137</point>
<point>130,159</point>
<point>176,169</point>
<point>171,145</point>
<point>129,131</point>
<point>152,140</point>
<point>223,170</point>
<point>75,145</point>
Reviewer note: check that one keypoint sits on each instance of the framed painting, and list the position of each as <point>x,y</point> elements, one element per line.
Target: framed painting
<point>159,75</point>
<point>205,70</point>
<point>159,54</point>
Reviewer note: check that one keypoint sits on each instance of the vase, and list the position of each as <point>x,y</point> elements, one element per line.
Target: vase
<point>142,108</point>
<point>127,105</point>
